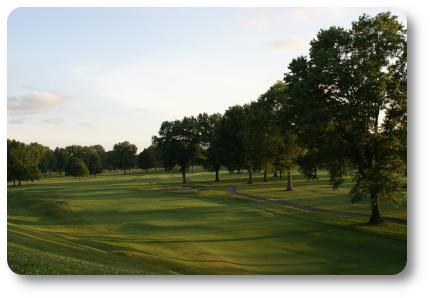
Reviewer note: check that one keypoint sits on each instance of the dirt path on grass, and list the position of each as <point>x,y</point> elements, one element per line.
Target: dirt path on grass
<point>232,190</point>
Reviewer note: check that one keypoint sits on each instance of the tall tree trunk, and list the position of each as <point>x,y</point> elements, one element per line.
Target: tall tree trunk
<point>265,176</point>
<point>216,175</point>
<point>19,182</point>
<point>290,179</point>
<point>183,176</point>
<point>250,176</point>
<point>280,173</point>
<point>275,174</point>
<point>50,173</point>
<point>376,217</point>
<point>316,175</point>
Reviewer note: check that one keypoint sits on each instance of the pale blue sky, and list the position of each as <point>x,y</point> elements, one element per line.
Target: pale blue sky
<point>105,75</point>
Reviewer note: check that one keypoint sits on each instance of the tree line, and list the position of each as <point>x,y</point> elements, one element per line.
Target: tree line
<point>342,109</point>
<point>27,162</point>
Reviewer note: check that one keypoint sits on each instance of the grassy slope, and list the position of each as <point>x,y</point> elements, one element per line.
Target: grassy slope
<point>125,225</point>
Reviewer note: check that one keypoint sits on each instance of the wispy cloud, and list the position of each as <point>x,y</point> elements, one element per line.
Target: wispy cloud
<point>290,44</point>
<point>85,124</point>
<point>35,102</point>
<point>31,87</point>
<point>53,120</point>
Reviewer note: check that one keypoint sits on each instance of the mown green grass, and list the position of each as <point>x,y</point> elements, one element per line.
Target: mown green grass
<point>122,224</point>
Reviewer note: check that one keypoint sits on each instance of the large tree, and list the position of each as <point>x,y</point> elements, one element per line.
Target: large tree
<point>354,79</point>
<point>178,143</point>
<point>124,155</point>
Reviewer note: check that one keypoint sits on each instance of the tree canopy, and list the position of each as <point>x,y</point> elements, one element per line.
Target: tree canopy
<point>352,80</point>
<point>124,155</point>
<point>178,143</point>
<point>95,165</point>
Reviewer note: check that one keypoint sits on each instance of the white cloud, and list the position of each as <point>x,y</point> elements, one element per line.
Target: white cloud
<point>290,44</point>
<point>53,120</point>
<point>85,124</point>
<point>35,101</point>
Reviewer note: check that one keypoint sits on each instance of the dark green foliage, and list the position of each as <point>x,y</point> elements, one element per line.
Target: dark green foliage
<point>62,157</point>
<point>52,164</point>
<point>22,161</point>
<point>210,143</point>
<point>124,155</point>
<point>230,137</point>
<point>76,168</point>
<point>154,157</point>
<point>178,143</point>
<point>101,152</point>
<point>43,164</point>
<point>15,160</point>
<point>144,160</point>
<point>95,165</point>
<point>353,78</point>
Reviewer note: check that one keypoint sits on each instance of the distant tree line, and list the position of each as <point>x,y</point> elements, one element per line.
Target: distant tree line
<point>342,109</point>
<point>28,162</point>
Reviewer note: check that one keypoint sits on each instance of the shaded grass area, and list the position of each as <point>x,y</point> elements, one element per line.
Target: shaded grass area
<point>313,193</point>
<point>128,225</point>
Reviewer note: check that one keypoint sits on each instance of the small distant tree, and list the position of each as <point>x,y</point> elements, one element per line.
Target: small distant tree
<point>68,169</point>
<point>95,165</point>
<point>79,169</point>
<point>124,155</point>
<point>110,168</point>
